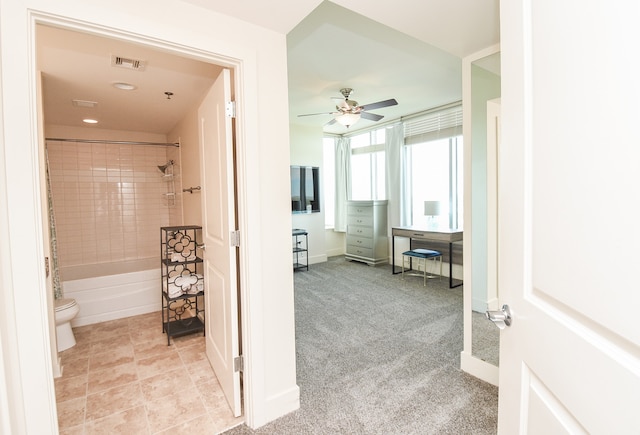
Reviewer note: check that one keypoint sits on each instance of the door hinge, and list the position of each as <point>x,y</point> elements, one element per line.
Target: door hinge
<point>231,109</point>
<point>234,238</point>
<point>238,364</point>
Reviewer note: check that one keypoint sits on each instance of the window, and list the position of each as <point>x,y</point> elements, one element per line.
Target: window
<point>433,167</point>
<point>368,165</point>
<point>433,174</point>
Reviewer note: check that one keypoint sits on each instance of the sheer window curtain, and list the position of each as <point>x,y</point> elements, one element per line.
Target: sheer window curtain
<point>397,190</point>
<point>343,182</point>
<point>53,238</point>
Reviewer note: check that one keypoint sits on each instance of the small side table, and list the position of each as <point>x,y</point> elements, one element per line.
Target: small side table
<point>300,249</point>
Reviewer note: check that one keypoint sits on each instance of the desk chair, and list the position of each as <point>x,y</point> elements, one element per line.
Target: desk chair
<point>424,254</point>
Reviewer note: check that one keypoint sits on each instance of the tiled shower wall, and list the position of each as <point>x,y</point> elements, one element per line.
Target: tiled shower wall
<point>110,200</point>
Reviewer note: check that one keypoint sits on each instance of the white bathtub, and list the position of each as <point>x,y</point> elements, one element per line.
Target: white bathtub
<point>113,290</point>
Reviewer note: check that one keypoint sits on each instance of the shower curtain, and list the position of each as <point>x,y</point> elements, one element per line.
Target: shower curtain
<point>55,271</point>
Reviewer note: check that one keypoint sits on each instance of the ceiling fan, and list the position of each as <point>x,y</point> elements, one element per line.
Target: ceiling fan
<point>349,112</point>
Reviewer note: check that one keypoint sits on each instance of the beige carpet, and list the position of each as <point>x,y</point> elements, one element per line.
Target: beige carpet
<point>379,355</point>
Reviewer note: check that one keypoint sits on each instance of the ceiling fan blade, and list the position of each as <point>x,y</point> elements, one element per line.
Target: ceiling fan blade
<point>333,121</point>
<point>321,113</point>
<point>370,116</point>
<point>379,104</point>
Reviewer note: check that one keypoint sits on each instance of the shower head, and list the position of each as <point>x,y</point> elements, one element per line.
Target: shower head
<point>164,167</point>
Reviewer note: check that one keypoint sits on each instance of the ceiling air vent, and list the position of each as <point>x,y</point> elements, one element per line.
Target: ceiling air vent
<point>123,62</point>
<point>84,103</point>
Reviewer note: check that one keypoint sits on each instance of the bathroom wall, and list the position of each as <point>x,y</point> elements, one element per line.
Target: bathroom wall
<point>109,200</point>
<point>176,210</point>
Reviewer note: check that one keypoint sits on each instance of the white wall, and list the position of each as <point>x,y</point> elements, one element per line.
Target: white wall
<point>265,220</point>
<point>306,150</point>
<point>335,242</point>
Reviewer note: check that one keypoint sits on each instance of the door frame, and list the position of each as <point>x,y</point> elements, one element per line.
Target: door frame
<point>469,363</point>
<point>244,73</point>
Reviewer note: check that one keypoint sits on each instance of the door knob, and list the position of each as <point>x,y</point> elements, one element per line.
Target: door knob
<point>500,318</point>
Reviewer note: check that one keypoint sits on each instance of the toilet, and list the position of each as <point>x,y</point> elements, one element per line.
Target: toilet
<point>66,310</point>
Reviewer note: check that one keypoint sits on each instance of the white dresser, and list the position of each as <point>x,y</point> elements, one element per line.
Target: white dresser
<point>367,239</point>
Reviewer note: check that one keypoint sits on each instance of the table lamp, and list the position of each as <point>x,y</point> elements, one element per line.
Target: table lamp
<point>432,209</point>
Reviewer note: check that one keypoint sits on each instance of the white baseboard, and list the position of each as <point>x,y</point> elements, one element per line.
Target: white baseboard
<point>318,259</point>
<point>335,252</point>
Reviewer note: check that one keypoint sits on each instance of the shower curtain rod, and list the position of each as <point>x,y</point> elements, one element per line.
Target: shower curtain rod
<point>117,142</point>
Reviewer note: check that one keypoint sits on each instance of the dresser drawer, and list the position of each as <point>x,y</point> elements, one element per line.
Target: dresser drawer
<point>360,210</point>
<point>362,242</point>
<point>360,252</point>
<point>366,221</point>
<point>357,230</point>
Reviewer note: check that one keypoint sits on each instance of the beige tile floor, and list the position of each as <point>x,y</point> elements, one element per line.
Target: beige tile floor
<point>122,378</point>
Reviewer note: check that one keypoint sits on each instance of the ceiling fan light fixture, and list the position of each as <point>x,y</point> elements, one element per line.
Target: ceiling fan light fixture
<point>349,111</point>
<point>348,119</point>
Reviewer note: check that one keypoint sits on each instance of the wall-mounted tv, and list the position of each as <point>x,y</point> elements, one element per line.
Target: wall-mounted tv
<point>305,189</point>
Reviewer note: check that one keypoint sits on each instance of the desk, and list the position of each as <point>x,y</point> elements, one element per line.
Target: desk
<point>436,235</point>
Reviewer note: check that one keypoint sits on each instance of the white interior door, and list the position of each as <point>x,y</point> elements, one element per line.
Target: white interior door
<point>218,220</point>
<point>569,232</point>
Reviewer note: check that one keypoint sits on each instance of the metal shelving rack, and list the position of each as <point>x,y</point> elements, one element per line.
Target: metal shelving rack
<point>182,281</point>
<point>300,249</point>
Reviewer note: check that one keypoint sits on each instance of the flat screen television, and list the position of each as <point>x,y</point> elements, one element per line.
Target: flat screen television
<point>305,189</point>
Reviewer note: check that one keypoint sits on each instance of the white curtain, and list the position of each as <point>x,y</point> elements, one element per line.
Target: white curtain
<point>397,192</point>
<point>343,182</point>
<point>53,238</point>
<point>406,215</point>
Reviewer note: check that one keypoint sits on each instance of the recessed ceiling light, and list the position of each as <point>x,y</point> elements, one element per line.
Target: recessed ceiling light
<point>124,86</point>
<point>90,121</point>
